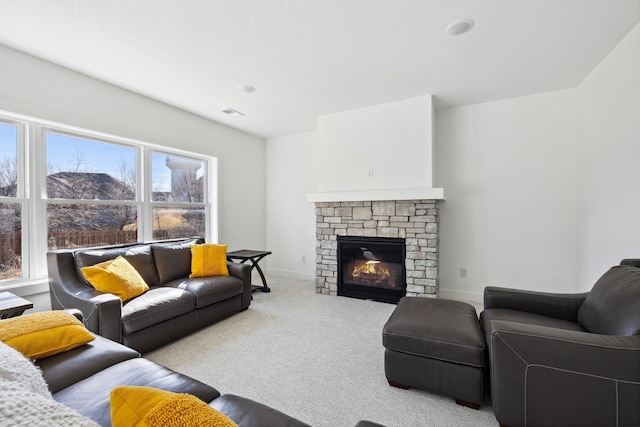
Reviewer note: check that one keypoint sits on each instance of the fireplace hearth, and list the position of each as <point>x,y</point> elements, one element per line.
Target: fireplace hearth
<point>371,268</point>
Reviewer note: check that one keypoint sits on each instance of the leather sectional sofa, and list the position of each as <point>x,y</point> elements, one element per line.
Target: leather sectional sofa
<point>74,387</point>
<point>83,378</point>
<point>174,306</point>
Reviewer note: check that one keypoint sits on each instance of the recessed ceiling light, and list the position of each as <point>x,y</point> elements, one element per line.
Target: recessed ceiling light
<point>460,26</point>
<point>232,112</point>
<point>246,88</point>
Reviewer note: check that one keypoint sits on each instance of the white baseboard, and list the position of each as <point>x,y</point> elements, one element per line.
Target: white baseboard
<point>291,274</point>
<point>474,297</point>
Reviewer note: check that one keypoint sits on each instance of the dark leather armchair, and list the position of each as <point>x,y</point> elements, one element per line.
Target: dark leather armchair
<point>566,359</point>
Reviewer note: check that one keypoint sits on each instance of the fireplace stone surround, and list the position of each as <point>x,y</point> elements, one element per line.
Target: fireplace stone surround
<point>414,220</point>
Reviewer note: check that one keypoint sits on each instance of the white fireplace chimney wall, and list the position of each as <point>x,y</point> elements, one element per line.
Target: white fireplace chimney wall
<point>383,147</point>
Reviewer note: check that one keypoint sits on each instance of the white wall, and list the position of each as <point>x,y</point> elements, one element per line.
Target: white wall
<point>609,173</point>
<point>394,139</point>
<point>291,173</point>
<point>509,172</point>
<point>38,88</point>
<point>542,192</point>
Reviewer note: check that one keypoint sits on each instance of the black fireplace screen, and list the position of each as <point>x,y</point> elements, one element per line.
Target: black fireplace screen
<point>371,268</point>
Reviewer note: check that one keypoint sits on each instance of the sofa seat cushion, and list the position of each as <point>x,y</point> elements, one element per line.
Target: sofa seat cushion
<point>91,396</point>
<point>155,306</point>
<point>522,317</point>
<point>66,368</point>
<point>210,289</point>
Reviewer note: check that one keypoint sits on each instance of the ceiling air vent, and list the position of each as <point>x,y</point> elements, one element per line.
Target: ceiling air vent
<point>232,112</point>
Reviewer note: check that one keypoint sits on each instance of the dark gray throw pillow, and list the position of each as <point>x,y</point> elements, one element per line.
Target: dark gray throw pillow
<point>173,260</point>
<point>613,305</point>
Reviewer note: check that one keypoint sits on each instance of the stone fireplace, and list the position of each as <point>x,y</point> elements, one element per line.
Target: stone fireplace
<point>415,221</point>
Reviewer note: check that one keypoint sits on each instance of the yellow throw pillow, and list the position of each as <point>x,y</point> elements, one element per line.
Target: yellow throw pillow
<point>116,276</point>
<point>136,406</point>
<point>208,259</point>
<point>38,335</point>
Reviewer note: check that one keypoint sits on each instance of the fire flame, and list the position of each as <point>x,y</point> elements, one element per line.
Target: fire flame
<point>370,268</point>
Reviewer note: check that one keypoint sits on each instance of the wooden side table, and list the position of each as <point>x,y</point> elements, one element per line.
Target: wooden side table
<point>245,255</point>
<point>12,305</point>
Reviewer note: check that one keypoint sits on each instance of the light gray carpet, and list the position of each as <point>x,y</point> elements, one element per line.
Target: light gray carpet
<point>318,358</point>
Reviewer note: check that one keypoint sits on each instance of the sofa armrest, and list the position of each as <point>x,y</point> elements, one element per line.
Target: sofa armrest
<point>242,271</point>
<point>101,311</point>
<point>549,376</point>
<point>560,306</point>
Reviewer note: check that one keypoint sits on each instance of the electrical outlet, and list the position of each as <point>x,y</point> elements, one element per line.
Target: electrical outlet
<point>370,173</point>
<point>463,272</point>
<point>304,258</point>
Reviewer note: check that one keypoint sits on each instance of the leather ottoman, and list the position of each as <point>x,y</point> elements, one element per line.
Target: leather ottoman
<point>435,345</point>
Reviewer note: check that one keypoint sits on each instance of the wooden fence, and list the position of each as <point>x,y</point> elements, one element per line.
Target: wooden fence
<point>10,248</point>
<point>83,239</point>
<point>11,243</point>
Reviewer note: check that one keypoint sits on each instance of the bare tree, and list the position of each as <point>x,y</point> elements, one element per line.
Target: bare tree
<point>188,189</point>
<point>157,230</point>
<point>125,214</point>
<point>76,182</point>
<point>68,183</point>
<point>8,177</point>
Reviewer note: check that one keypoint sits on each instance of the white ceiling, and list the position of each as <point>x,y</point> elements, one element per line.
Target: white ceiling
<point>308,58</point>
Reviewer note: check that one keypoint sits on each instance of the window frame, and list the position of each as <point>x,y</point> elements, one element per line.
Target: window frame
<point>206,204</point>
<point>21,197</point>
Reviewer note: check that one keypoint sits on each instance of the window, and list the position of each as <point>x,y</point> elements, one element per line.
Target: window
<point>11,200</point>
<point>178,195</point>
<point>62,187</point>
<point>91,191</point>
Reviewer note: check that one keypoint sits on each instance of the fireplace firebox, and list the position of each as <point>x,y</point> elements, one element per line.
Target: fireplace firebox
<point>371,268</point>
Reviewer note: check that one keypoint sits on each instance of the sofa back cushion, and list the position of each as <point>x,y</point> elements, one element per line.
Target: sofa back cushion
<point>612,306</point>
<point>173,259</point>
<point>631,261</point>
<point>139,256</point>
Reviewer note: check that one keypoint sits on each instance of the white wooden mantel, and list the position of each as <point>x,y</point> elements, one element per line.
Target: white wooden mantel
<point>377,195</point>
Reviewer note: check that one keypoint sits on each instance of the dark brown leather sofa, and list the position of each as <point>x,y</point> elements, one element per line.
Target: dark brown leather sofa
<point>174,306</point>
<point>566,359</point>
<point>83,378</point>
